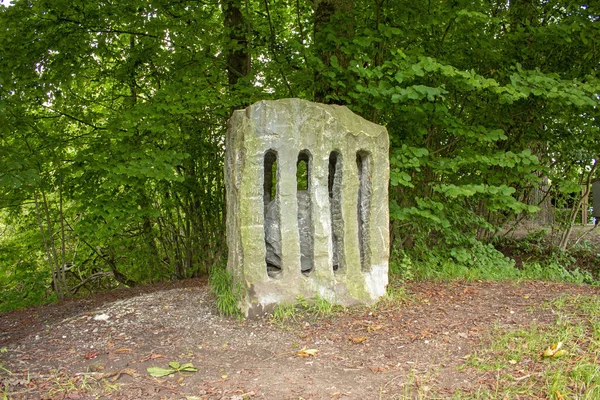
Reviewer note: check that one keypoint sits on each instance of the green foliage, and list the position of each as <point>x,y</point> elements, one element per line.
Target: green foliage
<point>23,282</point>
<point>322,307</point>
<point>540,258</point>
<point>284,313</point>
<point>113,117</point>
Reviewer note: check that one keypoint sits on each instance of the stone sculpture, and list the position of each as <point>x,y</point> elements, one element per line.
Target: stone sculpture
<point>326,236</point>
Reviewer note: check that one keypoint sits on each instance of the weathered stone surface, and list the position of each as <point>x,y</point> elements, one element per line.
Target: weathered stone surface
<point>330,240</point>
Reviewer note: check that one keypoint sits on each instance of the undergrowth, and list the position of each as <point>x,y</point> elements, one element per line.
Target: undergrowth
<point>539,247</point>
<point>483,262</point>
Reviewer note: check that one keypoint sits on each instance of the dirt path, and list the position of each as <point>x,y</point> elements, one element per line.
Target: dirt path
<point>101,346</point>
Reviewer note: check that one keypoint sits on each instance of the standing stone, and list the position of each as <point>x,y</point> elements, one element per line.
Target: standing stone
<point>328,239</point>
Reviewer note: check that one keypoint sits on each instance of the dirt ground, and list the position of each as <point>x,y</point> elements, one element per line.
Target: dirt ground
<point>101,346</point>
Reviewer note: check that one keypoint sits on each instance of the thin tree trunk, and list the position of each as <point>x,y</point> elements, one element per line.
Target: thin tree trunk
<point>63,263</point>
<point>45,239</point>
<point>564,240</point>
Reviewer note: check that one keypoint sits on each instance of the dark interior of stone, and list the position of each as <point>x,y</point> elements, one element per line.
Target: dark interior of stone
<point>270,181</point>
<point>305,229</point>
<point>364,206</point>
<point>334,181</point>
<point>271,215</point>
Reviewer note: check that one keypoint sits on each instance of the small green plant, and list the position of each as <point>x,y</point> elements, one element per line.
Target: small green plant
<point>401,266</point>
<point>174,367</point>
<point>302,302</point>
<point>227,299</point>
<point>554,270</point>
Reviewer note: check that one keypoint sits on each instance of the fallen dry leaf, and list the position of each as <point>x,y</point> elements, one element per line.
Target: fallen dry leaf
<point>114,376</point>
<point>374,328</point>
<point>152,357</point>
<point>123,350</point>
<point>91,354</point>
<point>553,350</point>
<point>560,353</point>
<point>304,352</point>
<point>243,395</point>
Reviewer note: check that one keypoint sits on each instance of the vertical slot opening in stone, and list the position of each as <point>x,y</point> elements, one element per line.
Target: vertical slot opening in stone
<point>363,164</point>
<point>334,183</point>
<point>305,228</point>
<point>271,215</point>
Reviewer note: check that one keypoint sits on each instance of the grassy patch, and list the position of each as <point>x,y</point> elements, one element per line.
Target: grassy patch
<point>220,282</point>
<point>303,309</point>
<point>396,296</point>
<point>515,359</point>
<point>62,386</point>
<point>58,385</point>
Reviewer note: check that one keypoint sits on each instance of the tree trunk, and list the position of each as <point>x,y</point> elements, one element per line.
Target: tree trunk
<point>331,16</point>
<point>238,57</point>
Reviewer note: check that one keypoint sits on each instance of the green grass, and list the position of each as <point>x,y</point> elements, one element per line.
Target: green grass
<point>303,309</point>
<point>522,371</point>
<point>220,282</point>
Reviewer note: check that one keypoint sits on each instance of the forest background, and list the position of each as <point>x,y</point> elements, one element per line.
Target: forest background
<point>113,116</point>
